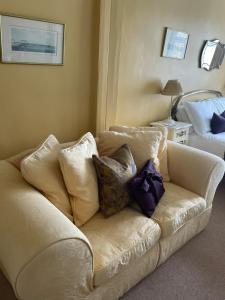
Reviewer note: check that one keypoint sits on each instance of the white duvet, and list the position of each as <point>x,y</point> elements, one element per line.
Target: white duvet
<point>213,143</point>
<point>199,114</point>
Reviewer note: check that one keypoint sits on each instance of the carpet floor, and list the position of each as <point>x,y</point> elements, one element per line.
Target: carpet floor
<point>195,272</point>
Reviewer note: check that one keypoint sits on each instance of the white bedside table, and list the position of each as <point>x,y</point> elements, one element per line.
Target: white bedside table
<point>177,131</point>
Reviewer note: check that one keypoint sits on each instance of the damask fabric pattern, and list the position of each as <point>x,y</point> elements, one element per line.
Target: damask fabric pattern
<point>116,286</point>
<point>52,259</point>
<point>119,241</point>
<point>171,243</point>
<point>177,207</point>
<point>113,174</point>
<point>194,170</point>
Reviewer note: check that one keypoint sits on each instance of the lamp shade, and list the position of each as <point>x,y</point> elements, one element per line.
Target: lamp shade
<point>172,88</point>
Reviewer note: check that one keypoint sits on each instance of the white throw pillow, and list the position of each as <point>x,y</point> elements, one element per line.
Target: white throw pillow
<point>144,145</point>
<point>16,159</point>
<point>41,169</point>
<point>162,155</point>
<point>200,113</point>
<point>80,178</point>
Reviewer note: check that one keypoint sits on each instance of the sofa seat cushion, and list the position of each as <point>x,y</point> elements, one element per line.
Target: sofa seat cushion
<point>176,207</point>
<point>119,240</point>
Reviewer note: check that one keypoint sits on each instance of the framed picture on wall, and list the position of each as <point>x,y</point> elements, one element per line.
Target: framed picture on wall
<point>29,41</point>
<point>175,44</point>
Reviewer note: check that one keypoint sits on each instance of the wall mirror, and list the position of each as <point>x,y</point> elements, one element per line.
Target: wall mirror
<point>212,55</point>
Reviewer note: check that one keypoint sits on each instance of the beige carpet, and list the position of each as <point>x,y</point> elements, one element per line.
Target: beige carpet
<point>196,272</point>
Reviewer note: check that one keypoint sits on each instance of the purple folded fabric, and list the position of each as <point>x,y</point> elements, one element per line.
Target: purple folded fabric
<point>147,188</point>
<point>218,123</point>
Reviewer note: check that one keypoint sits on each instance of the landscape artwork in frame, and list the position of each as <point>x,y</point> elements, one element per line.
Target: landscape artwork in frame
<point>29,41</point>
<point>175,44</point>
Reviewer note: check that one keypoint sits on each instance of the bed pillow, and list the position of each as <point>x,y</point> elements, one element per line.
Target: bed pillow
<point>219,104</point>
<point>80,178</point>
<point>41,169</point>
<point>217,123</point>
<point>182,115</point>
<point>200,113</point>
<point>144,145</point>
<point>113,173</point>
<point>162,155</point>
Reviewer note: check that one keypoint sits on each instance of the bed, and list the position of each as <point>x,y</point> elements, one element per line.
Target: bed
<point>197,107</point>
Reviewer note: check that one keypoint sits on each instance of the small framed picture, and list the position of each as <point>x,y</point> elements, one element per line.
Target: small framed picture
<point>28,41</point>
<point>175,44</point>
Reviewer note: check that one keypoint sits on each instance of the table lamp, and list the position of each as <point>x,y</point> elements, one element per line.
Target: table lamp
<point>172,88</point>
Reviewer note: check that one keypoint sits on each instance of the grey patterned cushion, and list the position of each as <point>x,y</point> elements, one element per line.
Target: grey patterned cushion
<point>113,174</point>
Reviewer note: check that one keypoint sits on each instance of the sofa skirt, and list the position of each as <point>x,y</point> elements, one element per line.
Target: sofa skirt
<point>129,277</point>
<point>172,243</point>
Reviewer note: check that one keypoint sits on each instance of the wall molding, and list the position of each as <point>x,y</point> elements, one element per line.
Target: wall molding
<point>111,13</point>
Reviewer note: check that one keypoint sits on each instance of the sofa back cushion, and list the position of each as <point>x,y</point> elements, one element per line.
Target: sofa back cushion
<point>162,155</point>
<point>80,178</point>
<point>144,145</point>
<point>41,169</point>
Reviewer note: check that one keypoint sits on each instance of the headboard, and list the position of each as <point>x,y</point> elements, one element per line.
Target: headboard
<point>180,98</point>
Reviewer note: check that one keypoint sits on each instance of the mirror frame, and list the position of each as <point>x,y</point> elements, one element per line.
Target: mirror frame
<point>216,59</point>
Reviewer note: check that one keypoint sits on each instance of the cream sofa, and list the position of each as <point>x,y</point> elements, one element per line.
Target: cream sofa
<point>46,257</point>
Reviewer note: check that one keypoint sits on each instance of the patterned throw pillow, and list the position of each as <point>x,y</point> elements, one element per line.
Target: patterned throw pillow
<point>113,174</point>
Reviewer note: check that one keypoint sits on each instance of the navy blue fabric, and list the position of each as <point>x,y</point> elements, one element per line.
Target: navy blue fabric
<point>147,188</point>
<point>218,123</point>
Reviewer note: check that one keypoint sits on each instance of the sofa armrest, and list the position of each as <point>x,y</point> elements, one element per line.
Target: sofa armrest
<point>195,170</point>
<point>42,253</point>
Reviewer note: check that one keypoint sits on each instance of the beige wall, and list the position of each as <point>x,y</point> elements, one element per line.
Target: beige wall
<point>38,100</point>
<point>142,70</point>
